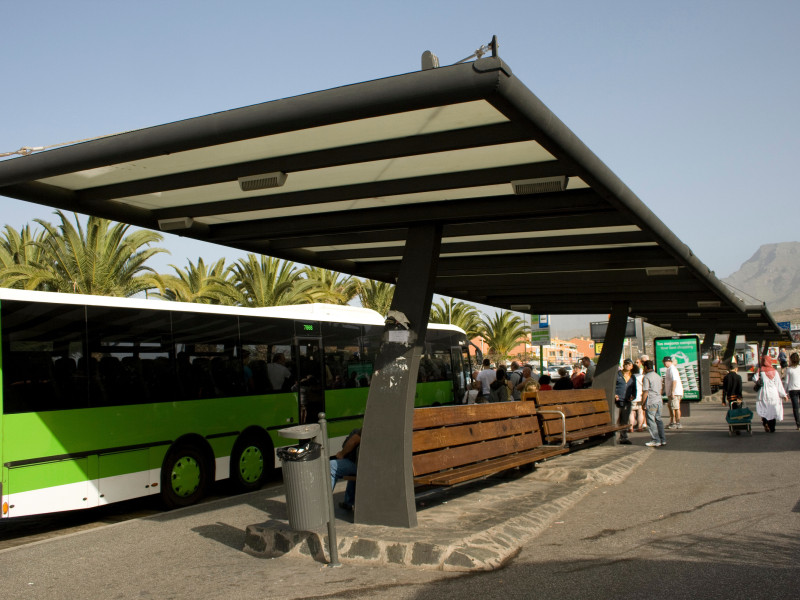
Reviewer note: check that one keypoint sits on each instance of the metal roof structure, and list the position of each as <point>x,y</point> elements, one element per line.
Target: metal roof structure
<point>532,219</point>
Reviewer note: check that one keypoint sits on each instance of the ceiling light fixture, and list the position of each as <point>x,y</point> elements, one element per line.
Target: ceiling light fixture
<point>661,271</point>
<point>542,185</point>
<point>708,304</point>
<point>175,224</point>
<point>262,182</point>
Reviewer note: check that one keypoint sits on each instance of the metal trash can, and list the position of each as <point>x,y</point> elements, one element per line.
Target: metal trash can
<point>306,499</point>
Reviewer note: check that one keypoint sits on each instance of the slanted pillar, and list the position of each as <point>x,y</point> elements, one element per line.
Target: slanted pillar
<point>730,348</point>
<point>605,375</point>
<point>706,348</point>
<point>385,494</point>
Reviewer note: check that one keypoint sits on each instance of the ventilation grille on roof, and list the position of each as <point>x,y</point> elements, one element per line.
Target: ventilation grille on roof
<point>262,182</point>
<point>540,186</point>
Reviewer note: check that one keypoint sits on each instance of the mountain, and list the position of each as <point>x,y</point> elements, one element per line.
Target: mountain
<point>772,275</point>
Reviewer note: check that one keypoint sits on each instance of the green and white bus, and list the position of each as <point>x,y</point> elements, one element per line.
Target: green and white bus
<point>108,399</point>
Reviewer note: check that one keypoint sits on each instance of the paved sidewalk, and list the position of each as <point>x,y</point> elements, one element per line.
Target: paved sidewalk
<point>468,528</point>
<point>578,516</point>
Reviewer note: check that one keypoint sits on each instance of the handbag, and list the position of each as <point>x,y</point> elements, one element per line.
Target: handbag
<point>759,382</point>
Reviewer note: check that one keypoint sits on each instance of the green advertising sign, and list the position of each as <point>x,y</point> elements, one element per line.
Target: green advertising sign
<point>685,353</point>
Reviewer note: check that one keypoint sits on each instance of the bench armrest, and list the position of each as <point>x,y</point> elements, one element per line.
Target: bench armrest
<point>563,425</point>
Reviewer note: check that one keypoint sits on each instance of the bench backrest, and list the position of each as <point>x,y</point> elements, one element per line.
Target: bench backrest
<point>445,437</point>
<point>584,409</point>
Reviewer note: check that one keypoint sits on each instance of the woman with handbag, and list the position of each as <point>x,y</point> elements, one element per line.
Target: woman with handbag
<point>770,394</point>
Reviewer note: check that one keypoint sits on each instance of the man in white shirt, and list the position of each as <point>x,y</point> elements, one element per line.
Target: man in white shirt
<point>487,376</point>
<point>673,388</point>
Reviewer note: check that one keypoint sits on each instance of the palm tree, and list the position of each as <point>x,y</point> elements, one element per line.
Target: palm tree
<point>502,332</point>
<point>332,287</point>
<point>18,248</point>
<point>268,281</point>
<point>102,260</point>
<point>199,283</point>
<point>376,295</point>
<point>460,314</point>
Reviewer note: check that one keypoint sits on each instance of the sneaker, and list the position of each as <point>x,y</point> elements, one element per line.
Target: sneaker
<point>625,441</point>
<point>678,426</point>
<point>346,506</point>
<point>671,426</point>
<point>653,444</point>
<point>663,443</point>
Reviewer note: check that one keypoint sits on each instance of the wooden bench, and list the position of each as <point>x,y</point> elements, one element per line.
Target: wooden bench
<point>453,444</point>
<point>573,415</point>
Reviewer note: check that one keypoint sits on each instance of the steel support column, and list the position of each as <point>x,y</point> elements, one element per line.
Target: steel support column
<point>605,375</point>
<point>385,493</point>
<point>730,348</point>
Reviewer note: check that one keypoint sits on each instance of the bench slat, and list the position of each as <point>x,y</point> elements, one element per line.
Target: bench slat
<point>489,467</point>
<point>552,426</point>
<point>442,416</point>
<point>577,409</point>
<point>448,458</point>
<point>428,439</point>
<point>586,411</point>
<point>547,397</point>
<point>586,433</point>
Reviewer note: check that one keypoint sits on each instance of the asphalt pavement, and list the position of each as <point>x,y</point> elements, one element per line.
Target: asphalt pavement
<point>708,516</point>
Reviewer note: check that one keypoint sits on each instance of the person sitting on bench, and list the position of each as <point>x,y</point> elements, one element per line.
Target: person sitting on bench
<point>345,463</point>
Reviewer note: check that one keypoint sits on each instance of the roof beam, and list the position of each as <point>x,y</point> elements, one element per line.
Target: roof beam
<point>358,191</point>
<point>502,245</point>
<point>583,201</point>
<point>444,141</point>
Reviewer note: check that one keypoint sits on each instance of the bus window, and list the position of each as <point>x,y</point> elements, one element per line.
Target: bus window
<point>342,343</point>
<point>44,365</point>
<point>206,351</point>
<point>131,359</point>
<point>263,340</point>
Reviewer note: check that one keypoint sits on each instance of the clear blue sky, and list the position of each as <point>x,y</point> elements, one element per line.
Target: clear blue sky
<point>694,105</point>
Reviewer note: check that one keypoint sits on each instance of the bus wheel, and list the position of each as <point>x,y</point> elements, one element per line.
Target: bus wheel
<point>251,462</point>
<point>184,476</point>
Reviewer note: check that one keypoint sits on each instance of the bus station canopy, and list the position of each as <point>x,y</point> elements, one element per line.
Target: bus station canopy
<point>531,219</point>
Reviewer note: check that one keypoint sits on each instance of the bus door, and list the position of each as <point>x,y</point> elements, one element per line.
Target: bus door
<point>460,372</point>
<point>310,370</point>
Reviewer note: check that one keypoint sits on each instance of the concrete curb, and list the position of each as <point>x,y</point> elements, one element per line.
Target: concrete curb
<point>523,508</point>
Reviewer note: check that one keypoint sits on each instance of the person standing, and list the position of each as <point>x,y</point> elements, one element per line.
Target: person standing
<point>732,386</point>
<point>637,412</point>
<point>588,376</point>
<point>651,398</point>
<point>515,378</point>
<point>577,376</point>
<point>528,383</point>
<point>674,392</point>
<point>499,389</point>
<point>563,382</point>
<point>771,395</point>
<point>793,385</point>
<point>486,377</point>
<point>783,362</point>
<point>624,392</point>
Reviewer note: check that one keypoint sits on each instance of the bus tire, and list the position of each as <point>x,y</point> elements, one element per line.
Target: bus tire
<point>252,461</point>
<point>184,476</point>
